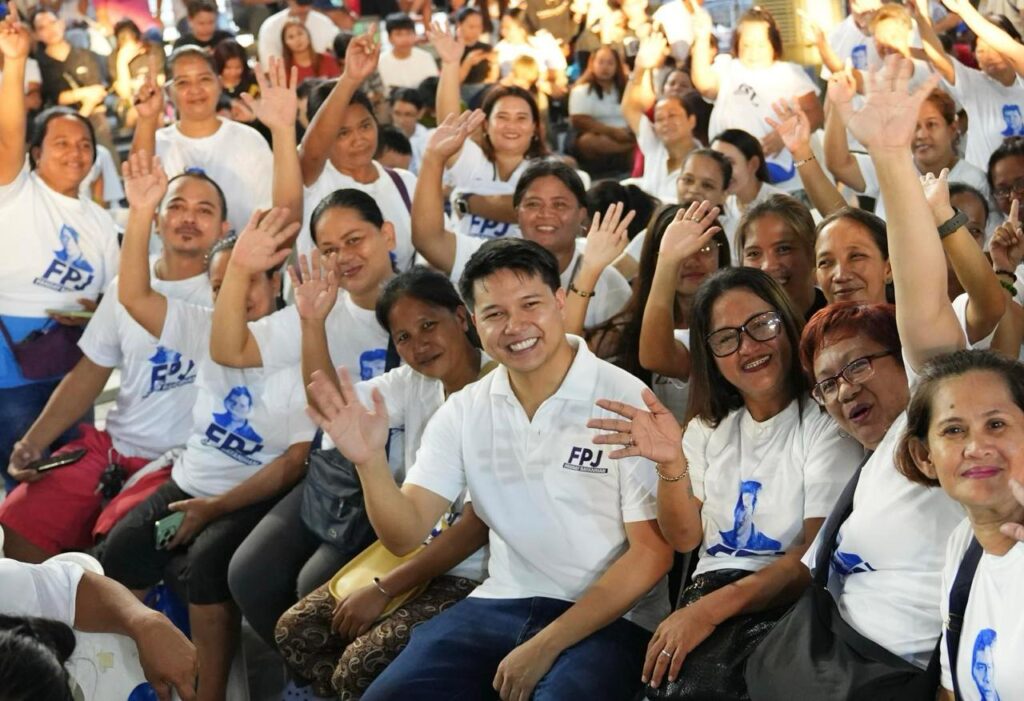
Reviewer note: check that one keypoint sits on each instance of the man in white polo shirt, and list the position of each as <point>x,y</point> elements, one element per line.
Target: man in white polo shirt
<point>576,560</point>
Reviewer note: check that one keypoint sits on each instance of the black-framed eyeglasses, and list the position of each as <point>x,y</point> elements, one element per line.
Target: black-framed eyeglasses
<point>1016,188</point>
<point>763,326</point>
<point>855,372</point>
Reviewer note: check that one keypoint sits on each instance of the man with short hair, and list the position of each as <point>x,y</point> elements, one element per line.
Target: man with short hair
<point>564,616</point>
<point>407,109</point>
<point>405,65</point>
<point>321,29</point>
<point>202,27</point>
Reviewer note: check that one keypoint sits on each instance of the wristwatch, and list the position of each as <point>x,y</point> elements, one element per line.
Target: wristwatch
<point>952,224</point>
<point>461,204</point>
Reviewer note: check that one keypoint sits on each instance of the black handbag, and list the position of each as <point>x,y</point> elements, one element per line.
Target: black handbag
<point>332,498</point>
<point>812,653</point>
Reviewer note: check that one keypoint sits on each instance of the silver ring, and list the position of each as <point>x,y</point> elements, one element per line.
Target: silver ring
<point>632,440</point>
<point>666,653</point>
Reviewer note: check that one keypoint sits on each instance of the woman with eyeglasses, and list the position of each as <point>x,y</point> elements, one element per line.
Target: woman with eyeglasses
<point>762,468</point>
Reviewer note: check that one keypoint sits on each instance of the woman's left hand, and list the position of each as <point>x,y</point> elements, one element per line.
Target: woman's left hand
<point>674,639</point>
<point>936,191</point>
<point>654,434</point>
<point>793,127</point>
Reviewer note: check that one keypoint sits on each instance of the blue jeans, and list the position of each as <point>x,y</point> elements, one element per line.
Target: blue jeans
<point>455,655</point>
<point>19,408</point>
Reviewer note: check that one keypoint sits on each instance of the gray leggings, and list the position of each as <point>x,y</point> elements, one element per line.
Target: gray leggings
<point>280,562</point>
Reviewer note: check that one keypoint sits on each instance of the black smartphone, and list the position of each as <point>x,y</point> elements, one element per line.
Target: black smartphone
<point>60,460</point>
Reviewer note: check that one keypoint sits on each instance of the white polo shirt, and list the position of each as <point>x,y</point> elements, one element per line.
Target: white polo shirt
<point>992,637</point>
<point>555,502</point>
<point>759,481</point>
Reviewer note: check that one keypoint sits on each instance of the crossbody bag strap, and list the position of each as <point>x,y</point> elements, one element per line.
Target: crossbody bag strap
<point>7,334</point>
<point>830,530</point>
<point>958,595</point>
<point>403,191</point>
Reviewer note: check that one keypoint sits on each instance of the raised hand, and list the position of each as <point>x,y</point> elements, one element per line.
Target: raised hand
<point>15,41</point>
<point>317,289</point>
<point>449,49</point>
<point>145,182</point>
<point>703,26</point>
<point>149,99</point>
<point>607,237</point>
<point>651,53</point>
<point>691,231</point>
<point>814,33</point>
<point>258,247</point>
<point>451,134</point>
<point>357,432</point>
<point>936,191</point>
<point>1007,244</point>
<point>888,119</point>
<point>957,6</point>
<point>842,86</point>
<point>793,126</point>
<point>362,55</point>
<point>653,434</point>
<point>277,106</point>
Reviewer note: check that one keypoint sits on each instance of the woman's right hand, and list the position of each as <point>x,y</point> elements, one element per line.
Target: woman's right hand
<point>691,230</point>
<point>149,100</point>
<point>653,434</point>
<point>316,290</point>
<point>842,86</point>
<point>651,53</point>
<point>451,134</point>
<point>362,55</point>
<point>359,433</point>
<point>1007,244</point>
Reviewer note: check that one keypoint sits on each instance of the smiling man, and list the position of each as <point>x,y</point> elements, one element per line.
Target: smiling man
<point>564,617</point>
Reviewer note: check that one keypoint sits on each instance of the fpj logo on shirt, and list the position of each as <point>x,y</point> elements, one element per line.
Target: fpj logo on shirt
<point>372,363</point>
<point>983,666</point>
<point>169,370</point>
<point>230,432</point>
<point>69,271</point>
<point>744,540</point>
<point>584,460</point>
<point>484,228</point>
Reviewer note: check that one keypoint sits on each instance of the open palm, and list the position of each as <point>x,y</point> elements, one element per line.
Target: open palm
<point>277,105</point>
<point>449,49</point>
<point>691,230</point>
<point>793,126</point>
<point>451,134</point>
<point>317,289</point>
<point>259,246</point>
<point>608,236</point>
<point>653,434</point>
<point>359,433</point>
<point>145,181</point>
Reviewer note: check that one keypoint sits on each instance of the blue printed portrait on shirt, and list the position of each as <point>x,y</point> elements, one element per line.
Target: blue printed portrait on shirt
<point>231,432</point>
<point>849,563</point>
<point>1014,121</point>
<point>744,539</point>
<point>372,363</point>
<point>68,271</point>
<point>983,669</point>
<point>859,57</point>
<point>168,370</point>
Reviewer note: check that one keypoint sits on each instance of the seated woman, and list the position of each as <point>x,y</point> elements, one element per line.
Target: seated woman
<point>603,140</point>
<point>130,63</point>
<point>232,66</point>
<point>965,427</point>
<point>298,53</point>
<point>248,445</point>
<point>752,480</point>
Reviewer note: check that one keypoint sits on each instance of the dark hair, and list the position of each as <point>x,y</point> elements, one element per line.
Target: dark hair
<point>465,12</point>
<point>758,14</point>
<point>875,226</point>
<point>340,44</point>
<point>227,49</point>
<point>194,7</point>
<point>543,167</point>
<point>619,79</point>
<point>604,193</point>
<point>126,25</point>
<point>41,124</point>
<point>793,213</point>
<point>198,174</point>
<point>932,375</point>
<point>391,138</point>
<point>40,10</point>
<point>842,320</point>
<point>228,244</point>
<point>519,255</point>
<point>965,189</point>
<point>398,20</point>
<point>307,87</point>
<point>411,95</point>
<point>719,158</point>
<point>518,15</point>
<point>712,397</point>
<point>428,90</point>
<point>689,102</point>
<point>347,198</point>
<point>1011,146</point>
<point>750,147</point>
<point>286,53</point>
<point>538,146</point>
<point>319,94</point>
<point>33,652</point>
<point>426,285</point>
<point>189,51</point>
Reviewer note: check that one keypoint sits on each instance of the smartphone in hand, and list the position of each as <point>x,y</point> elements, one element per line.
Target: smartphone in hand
<point>166,528</point>
<point>59,460</point>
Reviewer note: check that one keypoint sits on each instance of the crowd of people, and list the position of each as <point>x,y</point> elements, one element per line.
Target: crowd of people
<point>578,350</point>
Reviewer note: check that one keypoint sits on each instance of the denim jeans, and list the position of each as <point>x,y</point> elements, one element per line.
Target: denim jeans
<point>455,655</point>
<point>19,408</point>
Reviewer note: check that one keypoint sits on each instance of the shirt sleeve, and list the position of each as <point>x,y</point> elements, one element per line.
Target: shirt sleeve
<point>461,172</point>
<point>578,103</point>
<point>465,247</point>
<point>277,338</point>
<point>801,82</point>
<point>637,490</point>
<point>300,427</point>
<point>14,189</point>
<point>829,462</point>
<point>187,328</point>
<point>695,443</point>
<point>111,250</point>
<point>439,465</point>
<point>870,175</point>
<point>393,386</point>
<point>43,591</point>
<point>101,341</point>
<point>646,139</point>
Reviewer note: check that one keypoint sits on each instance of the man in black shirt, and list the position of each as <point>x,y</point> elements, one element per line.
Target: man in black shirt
<point>202,27</point>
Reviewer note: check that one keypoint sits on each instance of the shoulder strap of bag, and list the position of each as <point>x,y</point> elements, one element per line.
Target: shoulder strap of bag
<point>7,334</point>
<point>830,530</point>
<point>958,595</point>
<point>402,189</point>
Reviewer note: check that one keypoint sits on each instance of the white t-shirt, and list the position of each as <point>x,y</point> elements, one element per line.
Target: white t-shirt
<point>992,636</point>
<point>384,192</point>
<point>354,337</point>
<point>542,46</point>
<point>322,31</point>
<point>418,141</point>
<point>851,44</point>
<point>677,24</point>
<point>406,72</point>
<point>611,293</point>
<point>153,409</point>
<point>473,174</point>
<point>670,391</point>
<point>606,109</point>
<point>104,166</point>
<point>242,419</point>
<point>994,111</point>
<point>962,172</point>
<point>236,156</point>
<point>745,98</point>
<point>657,180</point>
<point>32,73</point>
<point>532,479</point>
<point>42,591</point>
<point>759,481</point>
